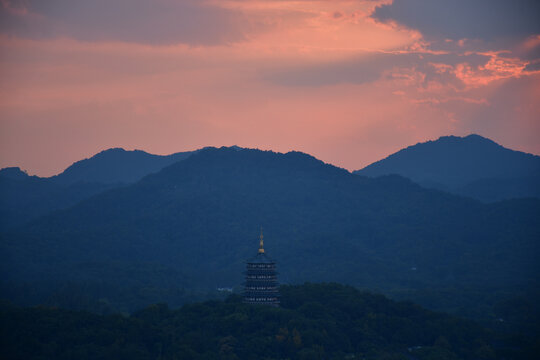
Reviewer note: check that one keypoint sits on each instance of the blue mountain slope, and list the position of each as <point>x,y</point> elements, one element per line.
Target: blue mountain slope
<point>117,166</point>
<point>23,197</point>
<point>463,165</point>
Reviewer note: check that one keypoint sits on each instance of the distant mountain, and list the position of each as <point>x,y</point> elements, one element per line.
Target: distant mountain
<point>494,189</point>
<point>24,197</point>
<point>200,217</point>
<point>472,166</point>
<point>117,165</point>
<point>13,173</point>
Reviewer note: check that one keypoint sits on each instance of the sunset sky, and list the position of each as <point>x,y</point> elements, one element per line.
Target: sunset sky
<point>347,81</point>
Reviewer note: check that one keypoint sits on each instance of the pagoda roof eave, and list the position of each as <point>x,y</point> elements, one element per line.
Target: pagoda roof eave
<point>261,258</point>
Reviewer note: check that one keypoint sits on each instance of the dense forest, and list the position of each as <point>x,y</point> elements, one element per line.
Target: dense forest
<point>315,321</point>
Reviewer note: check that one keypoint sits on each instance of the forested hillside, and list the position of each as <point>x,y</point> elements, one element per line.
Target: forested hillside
<point>117,165</point>
<point>316,321</point>
<point>24,198</point>
<point>470,166</point>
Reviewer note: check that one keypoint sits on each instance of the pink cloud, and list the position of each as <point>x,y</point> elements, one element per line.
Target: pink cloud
<point>496,68</point>
<point>347,89</point>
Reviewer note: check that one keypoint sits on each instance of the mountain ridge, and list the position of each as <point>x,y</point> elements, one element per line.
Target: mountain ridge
<point>460,164</point>
<point>116,165</point>
<point>24,197</point>
<point>321,222</point>
<point>14,172</point>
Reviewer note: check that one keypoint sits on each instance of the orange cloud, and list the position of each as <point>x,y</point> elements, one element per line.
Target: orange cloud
<point>316,76</point>
<point>496,68</point>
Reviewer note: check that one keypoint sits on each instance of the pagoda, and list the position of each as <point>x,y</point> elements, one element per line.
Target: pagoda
<point>261,286</point>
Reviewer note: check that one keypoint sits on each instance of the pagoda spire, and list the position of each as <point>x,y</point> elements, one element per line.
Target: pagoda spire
<point>261,242</point>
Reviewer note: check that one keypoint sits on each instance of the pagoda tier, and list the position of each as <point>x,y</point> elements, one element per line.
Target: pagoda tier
<point>261,286</point>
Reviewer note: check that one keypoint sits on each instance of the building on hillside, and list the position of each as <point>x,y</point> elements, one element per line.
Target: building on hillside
<point>261,286</point>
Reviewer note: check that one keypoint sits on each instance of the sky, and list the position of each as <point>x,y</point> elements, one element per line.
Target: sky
<point>347,81</point>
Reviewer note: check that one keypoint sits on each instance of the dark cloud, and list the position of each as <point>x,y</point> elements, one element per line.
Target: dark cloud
<point>458,19</point>
<point>140,21</point>
<point>533,66</point>
<point>368,68</point>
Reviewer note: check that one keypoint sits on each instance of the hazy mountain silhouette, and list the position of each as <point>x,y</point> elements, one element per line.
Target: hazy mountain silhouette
<point>117,165</point>
<point>471,165</point>
<point>13,173</point>
<point>200,218</point>
<point>24,197</point>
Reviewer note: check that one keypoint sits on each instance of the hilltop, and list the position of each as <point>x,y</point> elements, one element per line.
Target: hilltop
<point>472,166</point>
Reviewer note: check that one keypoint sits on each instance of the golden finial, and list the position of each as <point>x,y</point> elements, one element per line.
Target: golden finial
<point>261,243</point>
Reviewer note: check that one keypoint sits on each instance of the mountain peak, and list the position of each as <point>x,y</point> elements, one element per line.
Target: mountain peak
<point>477,137</point>
<point>453,161</point>
<point>117,165</point>
<point>117,150</point>
<point>14,173</point>
<point>263,163</point>
<point>471,138</point>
